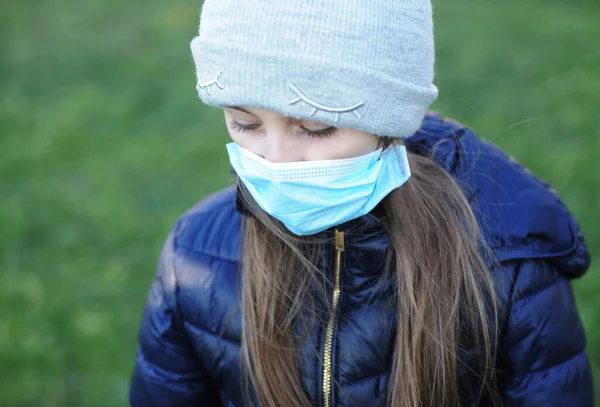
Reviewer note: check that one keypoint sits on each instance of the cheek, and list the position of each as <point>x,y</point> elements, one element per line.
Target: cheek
<point>344,145</point>
<point>234,135</point>
<point>369,144</point>
<point>245,141</point>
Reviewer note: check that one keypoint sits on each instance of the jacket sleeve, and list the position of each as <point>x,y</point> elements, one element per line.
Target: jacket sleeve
<point>167,370</point>
<point>543,344</point>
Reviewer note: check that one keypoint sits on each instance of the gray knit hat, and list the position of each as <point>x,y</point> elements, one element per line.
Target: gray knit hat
<point>360,64</point>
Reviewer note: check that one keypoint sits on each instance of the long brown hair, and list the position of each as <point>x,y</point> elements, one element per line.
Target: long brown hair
<point>445,298</point>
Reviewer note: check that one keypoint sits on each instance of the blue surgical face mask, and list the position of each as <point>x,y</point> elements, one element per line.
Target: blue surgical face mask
<point>311,196</point>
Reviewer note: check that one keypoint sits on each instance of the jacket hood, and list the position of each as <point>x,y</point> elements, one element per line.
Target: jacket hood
<point>520,215</point>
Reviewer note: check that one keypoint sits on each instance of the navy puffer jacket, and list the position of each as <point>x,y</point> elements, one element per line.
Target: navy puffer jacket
<point>189,353</point>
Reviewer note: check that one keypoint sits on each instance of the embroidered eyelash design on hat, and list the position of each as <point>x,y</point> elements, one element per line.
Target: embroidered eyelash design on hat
<point>317,106</point>
<point>207,85</point>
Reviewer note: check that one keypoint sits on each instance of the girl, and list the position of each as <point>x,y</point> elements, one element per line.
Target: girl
<point>371,254</point>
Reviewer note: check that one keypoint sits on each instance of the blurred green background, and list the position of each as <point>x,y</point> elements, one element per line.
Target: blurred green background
<point>103,143</point>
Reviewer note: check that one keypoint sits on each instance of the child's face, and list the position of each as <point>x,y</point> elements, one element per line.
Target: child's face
<point>282,139</point>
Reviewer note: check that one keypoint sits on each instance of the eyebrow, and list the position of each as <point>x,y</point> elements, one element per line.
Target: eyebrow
<point>252,114</point>
<point>241,110</point>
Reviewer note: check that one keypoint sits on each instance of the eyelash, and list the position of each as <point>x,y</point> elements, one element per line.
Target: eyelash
<point>312,134</point>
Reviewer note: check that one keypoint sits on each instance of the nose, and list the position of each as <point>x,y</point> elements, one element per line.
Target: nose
<point>281,148</point>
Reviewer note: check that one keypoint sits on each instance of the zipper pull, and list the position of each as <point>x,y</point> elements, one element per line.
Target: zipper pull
<point>339,241</point>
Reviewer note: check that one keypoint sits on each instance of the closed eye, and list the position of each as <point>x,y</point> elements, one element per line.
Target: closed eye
<point>327,132</point>
<point>245,128</point>
<point>241,127</point>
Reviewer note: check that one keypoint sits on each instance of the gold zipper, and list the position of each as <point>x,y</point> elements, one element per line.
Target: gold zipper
<point>339,248</point>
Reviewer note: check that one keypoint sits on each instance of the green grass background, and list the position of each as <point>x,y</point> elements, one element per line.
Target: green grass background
<point>103,143</point>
